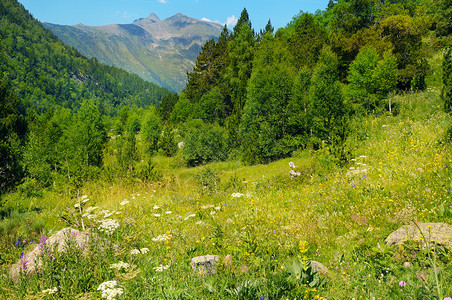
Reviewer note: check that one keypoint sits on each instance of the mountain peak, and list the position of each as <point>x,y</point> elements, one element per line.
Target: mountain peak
<point>153,17</point>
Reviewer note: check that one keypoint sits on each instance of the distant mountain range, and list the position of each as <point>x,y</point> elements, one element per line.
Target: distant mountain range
<point>160,51</point>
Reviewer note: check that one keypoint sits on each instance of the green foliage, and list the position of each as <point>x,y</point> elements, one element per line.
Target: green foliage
<point>12,130</point>
<point>183,110</point>
<point>446,93</point>
<point>405,34</point>
<point>167,142</point>
<point>265,114</point>
<point>371,79</point>
<point>204,144</point>
<point>127,153</point>
<point>151,129</point>
<point>306,41</point>
<point>208,180</point>
<point>326,92</point>
<point>166,106</point>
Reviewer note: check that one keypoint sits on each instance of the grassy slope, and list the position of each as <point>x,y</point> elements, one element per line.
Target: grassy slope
<point>408,178</point>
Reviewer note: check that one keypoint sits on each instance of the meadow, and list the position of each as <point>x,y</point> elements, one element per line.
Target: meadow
<point>264,225</point>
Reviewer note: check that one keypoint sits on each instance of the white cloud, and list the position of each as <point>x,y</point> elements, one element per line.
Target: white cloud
<point>209,20</point>
<point>162,1</point>
<point>231,21</point>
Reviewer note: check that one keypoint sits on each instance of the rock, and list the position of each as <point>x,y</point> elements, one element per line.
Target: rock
<point>292,165</point>
<point>31,261</point>
<point>204,264</point>
<point>406,264</point>
<point>318,267</point>
<point>439,233</point>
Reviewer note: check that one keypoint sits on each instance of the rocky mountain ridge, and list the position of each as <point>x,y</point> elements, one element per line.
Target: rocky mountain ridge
<point>160,51</point>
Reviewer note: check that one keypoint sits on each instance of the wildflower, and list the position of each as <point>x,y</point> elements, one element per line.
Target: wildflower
<point>303,247</point>
<point>190,216</point>
<point>50,291</point>
<point>168,212</point>
<point>90,209</point>
<point>402,283</point>
<point>212,212</point>
<point>162,238</point>
<point>134,251</point>
<point>156,207</point>
<point>120,265</point>
<point>124,202</point>
<point>109,290</point>
<point>237,195</point>
<point>157,215</point>
<point>18,242</point>
<point>447,298</point>
<point>161,268</point>
<point>144,250</point>
<point>109,226</point>
<point>217,207</point>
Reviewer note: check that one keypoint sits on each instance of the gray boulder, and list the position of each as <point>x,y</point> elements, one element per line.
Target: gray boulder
<point>204,264</point>
<point>31,261</point>
<point>438,233</point>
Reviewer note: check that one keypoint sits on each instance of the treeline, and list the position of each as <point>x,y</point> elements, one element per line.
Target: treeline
<point>253,96</point>
<point>55,104</point>
<point>44,73</point>
<point>260,96</point>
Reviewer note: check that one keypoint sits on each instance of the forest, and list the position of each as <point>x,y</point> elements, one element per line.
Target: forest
<point>299,87</point>
<point>320,92</point>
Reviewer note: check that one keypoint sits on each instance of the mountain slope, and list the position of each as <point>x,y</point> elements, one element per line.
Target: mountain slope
<point>160,51</point>
<point>43,72</point>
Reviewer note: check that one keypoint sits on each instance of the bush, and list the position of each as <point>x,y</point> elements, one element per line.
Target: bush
<point>205,144</point>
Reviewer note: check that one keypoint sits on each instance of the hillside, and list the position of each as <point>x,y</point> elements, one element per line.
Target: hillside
<point>43,72</point>
<point>160,51</point>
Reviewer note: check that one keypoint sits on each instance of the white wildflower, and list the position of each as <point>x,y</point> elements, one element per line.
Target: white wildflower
<point>91,209</point>
<point>88,215</point>
<point>157,215</point>
<point>217,207</point>
<point>190,216</point>
<point>76,205</point>
<point>161,268</point>
<point>168,212</point>
<point>207,206</point>
<point>135,251</point>
<point>109,291</point>
<point>162,238</point>
<point>212,212</point>
<point>156,207</point>
<point>144,250</point>
<point>237,195</point>
<point>50,291</point>
<point>124,202</point>
<point>109,226</point>
<point>120,265</point>
<point>199,223</point>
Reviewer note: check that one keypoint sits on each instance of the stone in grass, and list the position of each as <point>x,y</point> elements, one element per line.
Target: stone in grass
<point>318,267</point>
<point>31,261</point>
<point>438,233</point>
<point>204,264</point>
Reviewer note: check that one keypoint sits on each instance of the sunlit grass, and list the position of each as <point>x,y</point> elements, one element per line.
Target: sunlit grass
<point>404,165</point>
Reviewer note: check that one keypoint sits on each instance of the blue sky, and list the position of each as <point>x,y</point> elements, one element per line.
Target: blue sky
<point>102,12</point>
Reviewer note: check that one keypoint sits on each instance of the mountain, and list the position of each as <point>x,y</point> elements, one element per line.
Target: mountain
<point>43,72</point>
<point>160,51</point>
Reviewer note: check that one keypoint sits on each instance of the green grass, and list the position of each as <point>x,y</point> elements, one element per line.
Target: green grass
<point>323,215</point>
